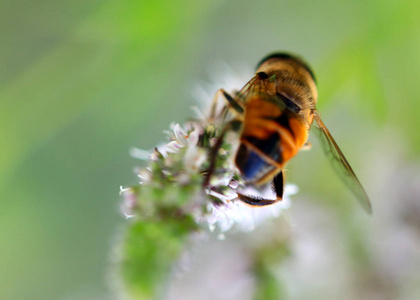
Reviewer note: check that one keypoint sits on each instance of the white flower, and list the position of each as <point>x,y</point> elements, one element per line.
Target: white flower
<point>180,139</point>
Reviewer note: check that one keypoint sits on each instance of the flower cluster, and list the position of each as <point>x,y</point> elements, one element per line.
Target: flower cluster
<point>172,182</point>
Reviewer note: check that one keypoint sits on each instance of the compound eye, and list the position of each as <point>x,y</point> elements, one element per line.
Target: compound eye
<point>289,103</point>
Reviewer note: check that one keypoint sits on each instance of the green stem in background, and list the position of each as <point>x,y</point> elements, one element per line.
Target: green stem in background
<point>267,283</point>
<point>268,255</point>
<point>149,252</point>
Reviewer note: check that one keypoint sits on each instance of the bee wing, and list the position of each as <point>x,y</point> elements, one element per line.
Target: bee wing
<point>248,88</point>
<point>340,164</point>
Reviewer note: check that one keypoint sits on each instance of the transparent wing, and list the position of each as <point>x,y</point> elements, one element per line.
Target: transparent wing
<point>265,88</point>
<point>340,164</point>
<point>248,89</point>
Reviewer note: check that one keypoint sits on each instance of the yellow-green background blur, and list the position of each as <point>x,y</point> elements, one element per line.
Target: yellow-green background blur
<point>83,81</point>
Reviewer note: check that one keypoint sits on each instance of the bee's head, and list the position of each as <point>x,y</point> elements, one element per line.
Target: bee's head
<point>274,58</point>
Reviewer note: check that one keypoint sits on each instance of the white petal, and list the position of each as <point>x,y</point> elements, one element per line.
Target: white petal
<point>193,137</point>
<point>139,153</point>
<point>180,134</point>
<point>173,147</point>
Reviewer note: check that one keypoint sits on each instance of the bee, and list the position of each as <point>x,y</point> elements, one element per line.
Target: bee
<point>273,114</point>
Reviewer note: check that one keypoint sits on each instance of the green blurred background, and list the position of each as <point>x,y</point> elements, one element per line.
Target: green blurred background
<point>83,81</point>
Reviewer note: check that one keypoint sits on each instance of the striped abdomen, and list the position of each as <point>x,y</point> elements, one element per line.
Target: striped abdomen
<point>271,136</point>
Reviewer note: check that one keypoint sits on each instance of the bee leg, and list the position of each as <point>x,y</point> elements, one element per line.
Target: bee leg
<point>278,187</point>
<point>233,125</point>
<point>237,108</point>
